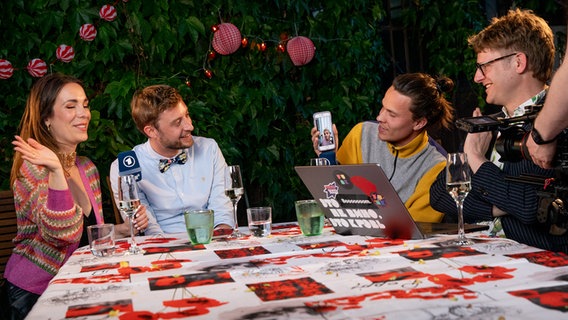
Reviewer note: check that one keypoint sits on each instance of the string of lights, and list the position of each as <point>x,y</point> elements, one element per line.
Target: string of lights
<point>226,39</point>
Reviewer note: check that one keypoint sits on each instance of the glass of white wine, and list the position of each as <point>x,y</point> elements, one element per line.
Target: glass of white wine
<point>458,184</point>
<point>128,203</point>
<point>234,190</point>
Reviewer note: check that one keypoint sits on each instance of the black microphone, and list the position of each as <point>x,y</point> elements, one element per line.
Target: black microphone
<point>128,164</point>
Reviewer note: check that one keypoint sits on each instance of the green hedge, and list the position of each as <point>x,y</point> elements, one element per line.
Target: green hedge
<point>257,105</point>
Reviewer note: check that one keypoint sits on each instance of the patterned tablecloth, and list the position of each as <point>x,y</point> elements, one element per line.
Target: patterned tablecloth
<point>290,276</point>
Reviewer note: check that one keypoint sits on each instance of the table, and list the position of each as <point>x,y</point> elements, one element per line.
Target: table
<point>290,276</point>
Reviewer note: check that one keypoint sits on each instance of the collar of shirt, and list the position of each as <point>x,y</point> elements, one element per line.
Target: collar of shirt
<point>521,109</point>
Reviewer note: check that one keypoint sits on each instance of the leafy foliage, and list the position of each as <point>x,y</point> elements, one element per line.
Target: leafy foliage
<point>257,105</point>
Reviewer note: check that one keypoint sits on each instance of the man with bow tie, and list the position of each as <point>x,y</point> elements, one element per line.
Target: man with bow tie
<point>179,171</point>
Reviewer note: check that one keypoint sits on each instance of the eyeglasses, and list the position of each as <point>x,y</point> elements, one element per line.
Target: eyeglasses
<point>482,66</point>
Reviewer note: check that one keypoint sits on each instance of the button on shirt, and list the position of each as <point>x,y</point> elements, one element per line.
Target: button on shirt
<point>197,184</point>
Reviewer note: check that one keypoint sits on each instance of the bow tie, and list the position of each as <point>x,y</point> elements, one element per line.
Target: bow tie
<point>166,163</point>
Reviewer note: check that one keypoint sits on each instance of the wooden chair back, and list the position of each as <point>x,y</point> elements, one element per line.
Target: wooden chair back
<point>8,228</point>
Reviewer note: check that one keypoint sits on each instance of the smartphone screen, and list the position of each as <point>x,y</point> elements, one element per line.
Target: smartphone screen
<point>322,121</point>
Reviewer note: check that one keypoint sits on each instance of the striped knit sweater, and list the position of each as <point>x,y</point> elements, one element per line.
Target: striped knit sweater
<point>49,223</point>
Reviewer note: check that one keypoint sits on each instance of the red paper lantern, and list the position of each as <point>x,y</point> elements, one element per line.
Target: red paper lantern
<point>227,38</point>
<point>65,53</point>
<point>6,69</point>
<point>88,32</point>
<point>37,68</point>
<point>301,50</point>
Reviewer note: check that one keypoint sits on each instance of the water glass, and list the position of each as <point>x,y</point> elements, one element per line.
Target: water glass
<point>199,225</point>
<point>310,217</point>
<point>101,239</point>
<point>260,221</point>
<point>319,162</point>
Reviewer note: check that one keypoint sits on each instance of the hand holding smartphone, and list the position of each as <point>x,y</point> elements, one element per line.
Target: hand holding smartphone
<point>323,123</point>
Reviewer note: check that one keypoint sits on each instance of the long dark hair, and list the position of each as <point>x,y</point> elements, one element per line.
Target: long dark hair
<point>39,107</point>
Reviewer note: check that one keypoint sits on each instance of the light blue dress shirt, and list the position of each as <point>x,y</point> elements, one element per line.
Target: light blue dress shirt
<point>197,184</point>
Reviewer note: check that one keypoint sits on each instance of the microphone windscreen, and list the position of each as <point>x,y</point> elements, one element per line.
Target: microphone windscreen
<point>128,164</point>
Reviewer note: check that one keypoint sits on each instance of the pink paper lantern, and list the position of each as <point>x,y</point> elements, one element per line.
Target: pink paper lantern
<point>37,68</point>
<point>301,50</point>
<point>6,69</point>
<point>88,32</point>
<point>107,12</point>
<point>65,53</point>
<point>227,39</point>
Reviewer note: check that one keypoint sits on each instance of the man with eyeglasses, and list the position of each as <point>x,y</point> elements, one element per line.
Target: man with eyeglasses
<point>515,57</point>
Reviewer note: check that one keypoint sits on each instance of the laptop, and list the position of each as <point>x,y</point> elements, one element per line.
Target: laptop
<point>359,199</point>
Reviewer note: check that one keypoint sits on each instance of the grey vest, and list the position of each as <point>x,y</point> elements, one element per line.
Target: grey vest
<point>408,170</point>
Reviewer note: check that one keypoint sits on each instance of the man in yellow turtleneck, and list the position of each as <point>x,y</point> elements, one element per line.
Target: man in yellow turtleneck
<point>399,140</point>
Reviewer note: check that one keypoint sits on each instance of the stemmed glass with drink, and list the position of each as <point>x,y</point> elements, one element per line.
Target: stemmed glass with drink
<point>234,190</point>
<point>458,184</point>
<point>128,203</point>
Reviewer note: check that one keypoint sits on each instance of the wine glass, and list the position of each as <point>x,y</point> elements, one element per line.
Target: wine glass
<point>458,184</point>
<point>128,203</point>
<point>234,190</point>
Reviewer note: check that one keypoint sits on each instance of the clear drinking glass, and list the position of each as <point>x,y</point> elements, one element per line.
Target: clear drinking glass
<point>234,190</point>
<point>128,203</point>
<point>319,162</point>
<point>458,184</point>
<point>260,221</point>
